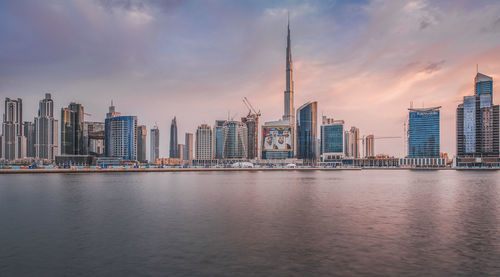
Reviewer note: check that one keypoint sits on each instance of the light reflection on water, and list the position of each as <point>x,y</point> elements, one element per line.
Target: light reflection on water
<point>251,223</point>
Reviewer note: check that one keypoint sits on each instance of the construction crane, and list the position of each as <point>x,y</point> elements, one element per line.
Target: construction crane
<point>250,107</point>
<point>363,139</point>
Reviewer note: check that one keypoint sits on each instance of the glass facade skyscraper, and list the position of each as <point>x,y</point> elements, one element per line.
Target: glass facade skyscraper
<point>332,138</point>
<point>141,143</point>
<point>72,130</point>
<point>174,150</point>
<point>235,139</point>
<point>121,136</point>
<point>307,125</point>
<point>478,122</point>
<point>424,133</point>
<point>218,138</point>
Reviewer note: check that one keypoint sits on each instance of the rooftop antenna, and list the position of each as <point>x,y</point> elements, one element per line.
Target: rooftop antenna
<point>477,68</point>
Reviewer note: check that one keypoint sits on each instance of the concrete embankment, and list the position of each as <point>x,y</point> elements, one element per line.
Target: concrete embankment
<point>120,170</point>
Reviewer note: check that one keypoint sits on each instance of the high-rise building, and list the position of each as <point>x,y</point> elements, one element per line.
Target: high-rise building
<point>423,132</point>
<point>13,141</point>
<point>173,139</point>
<point>351,143</point>
<point>307,126</point>
<point>252,123</point>
<point>478,121</point>
<point>235,138</point>
<point>94,137</point>
<point>121,135</point>
<point>278,140</point>
<point>154,144</point>
<point>180,150</point>
<point>29,133</point>
<point>332,139</point>
<point>141,143</point>
<point>218,139</point>
<point>204,144</point>
<point>289,111</point>
<point>72,130</point>
<point>46,139</point>
<point>188,146</point>
<point>369,146</point>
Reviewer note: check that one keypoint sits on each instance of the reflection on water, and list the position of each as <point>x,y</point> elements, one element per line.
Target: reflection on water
<point>385,223</point>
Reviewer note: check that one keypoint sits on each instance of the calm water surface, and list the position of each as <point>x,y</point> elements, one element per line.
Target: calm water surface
<point>345,223</point>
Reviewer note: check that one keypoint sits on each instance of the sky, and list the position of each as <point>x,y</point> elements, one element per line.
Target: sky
<point>363,61</point>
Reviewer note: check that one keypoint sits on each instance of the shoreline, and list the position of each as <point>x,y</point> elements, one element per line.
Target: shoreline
<point>122,170</point>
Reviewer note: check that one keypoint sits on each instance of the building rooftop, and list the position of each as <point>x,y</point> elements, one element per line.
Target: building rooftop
<point>424,109</point>
<point>482,78</point>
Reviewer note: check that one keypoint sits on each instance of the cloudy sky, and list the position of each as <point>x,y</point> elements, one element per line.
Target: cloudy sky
<point>363,61</point>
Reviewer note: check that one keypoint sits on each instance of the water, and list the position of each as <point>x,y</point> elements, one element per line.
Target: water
<point>345,223</point>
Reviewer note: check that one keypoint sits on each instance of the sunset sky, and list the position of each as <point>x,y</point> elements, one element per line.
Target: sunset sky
<point>363,61</point>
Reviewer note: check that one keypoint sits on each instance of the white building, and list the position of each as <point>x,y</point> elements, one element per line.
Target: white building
<point>46,139</point>
<point>204,143</point>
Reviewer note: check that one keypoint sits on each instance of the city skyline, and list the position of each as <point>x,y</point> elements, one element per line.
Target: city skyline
<point>351,85</point>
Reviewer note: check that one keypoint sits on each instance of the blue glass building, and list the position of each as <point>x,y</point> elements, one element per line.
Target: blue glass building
<point>423,133</point>
<point>484,89</point>
<point>307,125</point>
<point>332,138</point>
<point>218,138</point>
<point>121,137</point>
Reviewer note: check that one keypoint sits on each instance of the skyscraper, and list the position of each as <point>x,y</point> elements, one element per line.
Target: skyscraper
<point>332,139</point>
<point>173,139</point>
<point>369,146</point>
<point>72,130</point>
<point>423,132</point>
<point>235,138</point>
<point>351,143</point>
<point>180,150</point>
<point>94,137</point>
<point>188,146</point>
<point>141,143</point>
<point>289,92</point>
<point>218,143</point>
<point>46,139</point>
<point>154,144</point>
<point>29,133</point>
<point>13,141</point>
<point>204,143</point>
<point>478,121</point>
<point>121,135</point>
<point>252,123</point>
<point>307,126</point>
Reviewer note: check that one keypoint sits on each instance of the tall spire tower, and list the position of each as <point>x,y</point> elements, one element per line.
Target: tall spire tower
<point>289,110</point>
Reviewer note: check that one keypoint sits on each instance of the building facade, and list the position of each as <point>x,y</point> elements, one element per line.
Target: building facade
<point>218,139</point>
<point>278,140</point>
<point>29,133</point>
<point>13,140</point>
<point>423,132</point>
<point>307,126</point>
<point>252,123</point>
<point>72,130</point>
<point>121,136</point>
<point>289,112</point>
<point>94,138</point>
<point>478,121</point>
<point>369,146</point>
<point>46,133</point>
<point>188,146</point>
<point>141,143</point>
<point>351,143</point>
<point>332,139</point>
<point>154,144</point>
<point>173,139</point>
<point>235,139</point>
<point>204,143</point>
